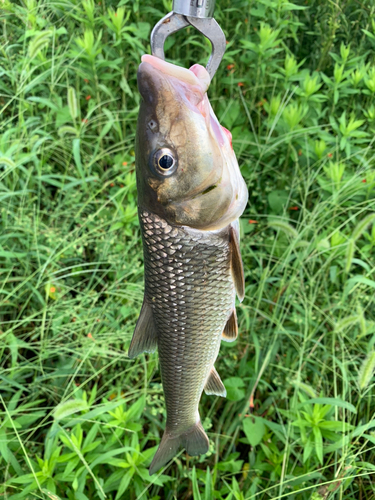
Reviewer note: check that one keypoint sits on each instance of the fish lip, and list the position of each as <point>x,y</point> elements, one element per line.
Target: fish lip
<point>196,76</point>
<point>154,81</point>
<point>148,79</point>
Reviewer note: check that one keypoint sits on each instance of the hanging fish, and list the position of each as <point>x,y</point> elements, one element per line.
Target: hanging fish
<point>190,196</point>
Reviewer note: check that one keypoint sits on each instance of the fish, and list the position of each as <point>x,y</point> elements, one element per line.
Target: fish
<point>190,196</point>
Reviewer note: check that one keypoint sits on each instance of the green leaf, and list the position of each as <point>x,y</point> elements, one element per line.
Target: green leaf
<point>125,482</point>
<point>350,249</point>
<point>44,102</point>
<point>234,387</point>
<point>26,479</point>
<point>363,428</point>
<point>369,34</point>
<point>4,450</point>
<point>277,200</point>
<point>136,409</point>
<point>27,420</point>
<point>125,87</point>
<point>233,110</point>
<point>208,492</point>
<point>107,127</point>
<point>194,482</point>
<point>77,158</point>
<point>63,116</point>
<point>318,443</point>
<point>116,226</point>
<point>12,255</point>
<point>102,459</point>
<point>92,414</point>
<point>334,425</point>
<point>330,401</point>
<point>254,429</point>
<point>350,284</point>
<point>143,30</point>
<point>307,449</point>
<point>91,435</point>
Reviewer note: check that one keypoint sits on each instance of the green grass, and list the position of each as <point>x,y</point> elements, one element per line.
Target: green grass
<point>78,419</point>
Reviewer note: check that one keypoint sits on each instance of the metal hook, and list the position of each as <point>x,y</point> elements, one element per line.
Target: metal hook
<point>174,21</point>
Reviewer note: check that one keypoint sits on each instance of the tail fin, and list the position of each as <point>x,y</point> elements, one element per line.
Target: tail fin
<point>195,441</point>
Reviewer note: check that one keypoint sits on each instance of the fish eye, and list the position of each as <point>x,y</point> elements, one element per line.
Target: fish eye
<point>153,125</point>
<point>165,162</point>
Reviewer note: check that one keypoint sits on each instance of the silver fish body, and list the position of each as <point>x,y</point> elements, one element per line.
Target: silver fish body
<point>193,266</point>
<point>190,290</point>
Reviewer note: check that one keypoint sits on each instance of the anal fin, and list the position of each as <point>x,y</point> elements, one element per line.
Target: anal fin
<point>144,336</point>
<point>196,441</point>
<point>214,385</point>
<point>236,264</point>
<point>231,328</point>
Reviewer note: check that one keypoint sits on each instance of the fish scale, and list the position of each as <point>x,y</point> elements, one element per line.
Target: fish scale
<point>191,303</point>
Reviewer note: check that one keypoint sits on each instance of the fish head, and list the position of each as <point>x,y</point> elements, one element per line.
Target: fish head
<point>187,172</point>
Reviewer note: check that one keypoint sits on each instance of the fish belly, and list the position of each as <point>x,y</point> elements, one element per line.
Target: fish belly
<point>189,286</point>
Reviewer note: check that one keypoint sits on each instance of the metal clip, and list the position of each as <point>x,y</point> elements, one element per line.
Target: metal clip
<point>194,8</point>
<point>197,13</point>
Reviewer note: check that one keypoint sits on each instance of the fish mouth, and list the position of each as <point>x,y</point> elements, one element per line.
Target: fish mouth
<point>196,76</point>
<point>150,83</point>
<point>189,197</point>
<point>207,190</point>
<point>158,79</point>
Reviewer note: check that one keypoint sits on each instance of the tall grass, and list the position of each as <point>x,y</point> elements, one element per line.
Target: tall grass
<point>78,419</point>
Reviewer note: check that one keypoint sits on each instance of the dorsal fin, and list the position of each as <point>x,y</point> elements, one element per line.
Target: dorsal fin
<point>144,336</point>
<point>236,264</point>
<point>231,329</point>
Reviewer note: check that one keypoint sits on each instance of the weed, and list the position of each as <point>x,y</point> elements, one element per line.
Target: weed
<point>78,420</point>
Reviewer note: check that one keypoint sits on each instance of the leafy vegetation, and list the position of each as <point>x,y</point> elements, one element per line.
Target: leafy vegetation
<point>78,419</point>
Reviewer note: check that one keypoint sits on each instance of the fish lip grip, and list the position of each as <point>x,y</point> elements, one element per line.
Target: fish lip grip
<point>196,13</point>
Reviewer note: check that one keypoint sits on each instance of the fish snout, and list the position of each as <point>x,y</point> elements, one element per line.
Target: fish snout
<point>150,82</point>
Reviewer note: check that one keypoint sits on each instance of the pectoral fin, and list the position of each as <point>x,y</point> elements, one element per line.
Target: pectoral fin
<point>231,329</point>
<point>144,336</point>
<point>214,385</point>
<point>236,264</point>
